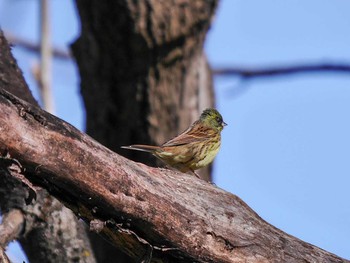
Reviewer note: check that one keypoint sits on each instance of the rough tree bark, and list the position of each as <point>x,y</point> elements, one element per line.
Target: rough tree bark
<point>46,219</point>
<point>152,214</point>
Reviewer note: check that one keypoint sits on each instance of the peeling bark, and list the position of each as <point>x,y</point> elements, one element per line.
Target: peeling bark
<point>151,214</point>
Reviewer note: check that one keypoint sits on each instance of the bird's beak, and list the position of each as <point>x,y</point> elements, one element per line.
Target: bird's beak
<point>224,124</point>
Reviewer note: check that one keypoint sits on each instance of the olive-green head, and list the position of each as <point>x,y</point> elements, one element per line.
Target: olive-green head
<point>212,118</point>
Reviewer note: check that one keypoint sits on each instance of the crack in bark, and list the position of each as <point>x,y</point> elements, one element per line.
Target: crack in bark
<point>23,108</point>
<point>229,245</point>
<point>149,251</point>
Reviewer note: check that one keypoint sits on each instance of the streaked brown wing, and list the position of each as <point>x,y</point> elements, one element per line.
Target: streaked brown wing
<point>195,133</point>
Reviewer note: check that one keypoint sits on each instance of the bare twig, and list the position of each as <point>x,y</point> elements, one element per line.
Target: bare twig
<point>34,47</point>
<point>46,58</point>
<point>245,72</point>
<point>278,71</point>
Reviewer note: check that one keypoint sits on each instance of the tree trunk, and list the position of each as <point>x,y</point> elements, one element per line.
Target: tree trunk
<point>46,219</point>
<point>151,214</point>
<point>144,75</point>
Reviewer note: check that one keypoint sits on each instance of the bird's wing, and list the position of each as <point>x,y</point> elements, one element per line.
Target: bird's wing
<point>193,134</point>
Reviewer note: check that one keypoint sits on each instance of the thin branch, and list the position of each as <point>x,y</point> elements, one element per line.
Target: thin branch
<point>35,48</point>
<point>46,58</point>
<point>278,71</point>
<point>244,72</point>
<point>240,71</point>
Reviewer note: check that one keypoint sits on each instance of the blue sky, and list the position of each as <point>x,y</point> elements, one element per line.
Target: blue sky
<point>286,149</point>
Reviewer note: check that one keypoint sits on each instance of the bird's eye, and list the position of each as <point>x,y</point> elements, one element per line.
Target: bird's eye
<point>218,119</point>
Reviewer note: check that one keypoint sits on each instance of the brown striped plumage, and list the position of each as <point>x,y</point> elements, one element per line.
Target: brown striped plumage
<point>195,148</point>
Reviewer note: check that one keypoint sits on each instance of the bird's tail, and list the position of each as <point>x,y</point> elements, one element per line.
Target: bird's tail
<point>141,147</point>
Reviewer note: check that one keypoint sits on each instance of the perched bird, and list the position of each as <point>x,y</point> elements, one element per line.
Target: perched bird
<point>195,148</point>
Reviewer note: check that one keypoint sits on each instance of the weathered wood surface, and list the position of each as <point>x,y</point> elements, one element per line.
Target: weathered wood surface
<point>149,213</point>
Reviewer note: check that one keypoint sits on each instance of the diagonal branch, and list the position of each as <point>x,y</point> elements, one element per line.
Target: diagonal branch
<point>187,218</point>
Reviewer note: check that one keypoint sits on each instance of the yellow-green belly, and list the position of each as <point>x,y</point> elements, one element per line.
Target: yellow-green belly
<point>189,158</point>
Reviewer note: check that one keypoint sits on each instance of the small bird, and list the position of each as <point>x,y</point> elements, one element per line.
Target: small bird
<point>193,149</point>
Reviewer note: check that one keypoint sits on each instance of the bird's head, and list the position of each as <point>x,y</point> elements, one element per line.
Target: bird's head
<point>212,118</point>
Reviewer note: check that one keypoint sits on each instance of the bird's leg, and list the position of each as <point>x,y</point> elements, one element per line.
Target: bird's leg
<point>197,175</point>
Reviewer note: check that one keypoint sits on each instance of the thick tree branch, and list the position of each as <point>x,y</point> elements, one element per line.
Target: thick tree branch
<point>145,211</point>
